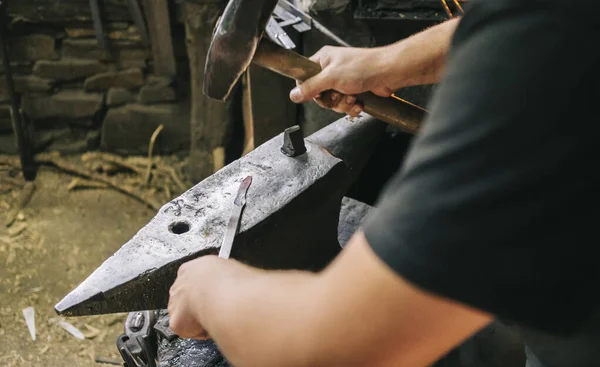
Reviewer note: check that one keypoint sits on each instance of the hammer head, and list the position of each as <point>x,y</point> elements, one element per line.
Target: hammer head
<point>234,42</point>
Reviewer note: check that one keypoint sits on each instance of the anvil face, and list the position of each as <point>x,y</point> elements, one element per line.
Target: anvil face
<point>290,220</point>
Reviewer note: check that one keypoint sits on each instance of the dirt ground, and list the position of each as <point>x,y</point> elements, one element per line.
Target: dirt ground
<point>58,240</point>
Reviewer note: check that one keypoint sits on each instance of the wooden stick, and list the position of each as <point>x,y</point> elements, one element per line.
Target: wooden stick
<point>159,30</point>
<point>111,158</point>
<point>67,167</point>
<point>82,182</point>
<point>22,200</point>
<point>134,164</point>
<point>170,171</point>
<point>9,160</point>
<point>57,161</point>
<point>138,161</point>
<point>218,158</point>
<point>247,114</point>
<point>17,229</point>
<point>150,150</point>
<point>11,181</point>
<point>160,167</point>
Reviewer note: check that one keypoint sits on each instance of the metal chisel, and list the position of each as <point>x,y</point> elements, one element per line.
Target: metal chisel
<point>234,220</point>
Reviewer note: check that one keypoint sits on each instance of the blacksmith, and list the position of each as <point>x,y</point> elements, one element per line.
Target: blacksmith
<point>493,214</point>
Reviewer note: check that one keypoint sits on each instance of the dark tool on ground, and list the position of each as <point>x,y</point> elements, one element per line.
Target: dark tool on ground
<point>282,227</point>
<point>234,220</point>
<point>237,42</point>
<point>21,132</point>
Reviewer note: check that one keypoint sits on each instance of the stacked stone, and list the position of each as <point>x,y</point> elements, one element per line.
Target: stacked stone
<point>77,96</point>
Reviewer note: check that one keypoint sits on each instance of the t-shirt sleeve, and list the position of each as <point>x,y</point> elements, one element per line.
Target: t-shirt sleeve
<point>496,203</point>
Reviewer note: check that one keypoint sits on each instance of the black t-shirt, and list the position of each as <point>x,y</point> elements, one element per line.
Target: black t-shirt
<point>497,204</point>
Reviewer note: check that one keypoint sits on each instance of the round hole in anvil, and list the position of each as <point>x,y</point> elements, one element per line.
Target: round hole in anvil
<point>179,227</point>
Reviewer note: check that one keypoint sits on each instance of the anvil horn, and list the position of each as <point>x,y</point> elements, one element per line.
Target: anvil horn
<point>290,220</point>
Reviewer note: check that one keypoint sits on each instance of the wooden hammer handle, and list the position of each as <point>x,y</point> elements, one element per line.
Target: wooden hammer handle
<point>392,110</point>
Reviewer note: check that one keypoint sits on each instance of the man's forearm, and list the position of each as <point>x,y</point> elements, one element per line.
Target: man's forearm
<point>356,312</point>
<point>419,59</point>
<point>262,318</point>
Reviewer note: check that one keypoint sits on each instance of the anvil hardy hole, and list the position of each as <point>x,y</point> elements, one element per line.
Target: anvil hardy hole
<point>179,227</point>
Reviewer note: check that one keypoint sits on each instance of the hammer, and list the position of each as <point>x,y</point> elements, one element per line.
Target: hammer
<point>237,42</point>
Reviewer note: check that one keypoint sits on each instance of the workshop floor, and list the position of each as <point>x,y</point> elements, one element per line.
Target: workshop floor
<point>67,235</point>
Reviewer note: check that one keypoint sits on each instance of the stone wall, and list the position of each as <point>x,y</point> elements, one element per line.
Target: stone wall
<point>76,96</point>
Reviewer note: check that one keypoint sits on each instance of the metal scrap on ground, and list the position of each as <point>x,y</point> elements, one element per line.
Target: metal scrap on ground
<point>68,327</point>
<point>29,315</point>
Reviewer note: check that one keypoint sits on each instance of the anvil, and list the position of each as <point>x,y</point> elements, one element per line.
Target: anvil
<point>290,220</point>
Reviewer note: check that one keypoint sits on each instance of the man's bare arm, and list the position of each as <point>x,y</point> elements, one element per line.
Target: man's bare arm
<point>417,60</point>
<point>421,58</point>
<point>356,312</point>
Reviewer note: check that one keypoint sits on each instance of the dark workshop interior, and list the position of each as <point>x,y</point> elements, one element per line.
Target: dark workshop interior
<point>104,124</point>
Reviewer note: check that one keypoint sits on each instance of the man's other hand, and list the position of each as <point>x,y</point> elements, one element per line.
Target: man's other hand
<point>347,71</point>
<point>186,296</point>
